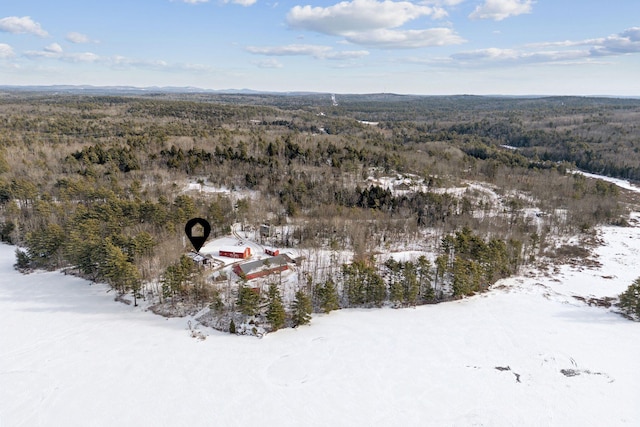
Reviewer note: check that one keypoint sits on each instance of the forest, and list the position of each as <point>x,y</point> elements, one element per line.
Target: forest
<point>476,187</point>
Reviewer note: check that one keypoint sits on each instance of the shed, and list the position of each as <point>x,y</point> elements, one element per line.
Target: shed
<point>272,251</point>
<point>203,260</point>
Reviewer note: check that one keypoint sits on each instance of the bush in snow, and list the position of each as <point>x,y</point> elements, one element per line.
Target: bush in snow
<point>630,299</point>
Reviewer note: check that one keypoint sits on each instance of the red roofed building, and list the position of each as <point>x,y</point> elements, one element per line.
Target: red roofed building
<point>272,251</point>
<point>242,252</point>
<point>261,267</point>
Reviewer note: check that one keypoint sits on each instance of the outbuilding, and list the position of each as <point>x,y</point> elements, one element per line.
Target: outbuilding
<point>261,267</point>
<point>272,251</point>
<point>241,252</point>
<point>203,260</point>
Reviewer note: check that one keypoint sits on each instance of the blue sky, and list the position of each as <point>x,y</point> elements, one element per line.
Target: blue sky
<point>430,47</point>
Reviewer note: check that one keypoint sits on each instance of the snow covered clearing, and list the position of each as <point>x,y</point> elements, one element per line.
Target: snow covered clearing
<point>202,186</point>
<point>526,353</point>
<point>622,183</point>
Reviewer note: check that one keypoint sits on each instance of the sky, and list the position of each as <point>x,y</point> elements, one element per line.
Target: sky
<point>430,47</point>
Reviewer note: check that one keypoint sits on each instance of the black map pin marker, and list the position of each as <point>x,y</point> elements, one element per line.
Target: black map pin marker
<point>197,230</point>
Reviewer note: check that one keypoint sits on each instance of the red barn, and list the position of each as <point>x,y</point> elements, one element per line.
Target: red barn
<point>236,252</point>
<point>272,251</point>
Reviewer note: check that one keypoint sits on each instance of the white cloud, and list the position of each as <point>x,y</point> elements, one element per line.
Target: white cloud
<point>501,9</point>
<point>491,53</point>
<point>349,17</point>
<point>81,57</point>
<point>39,54</point>
<point>315,51</point>
<point>54,51</point>
<point>444,2</point>
<point>78,38</point>
<point>241,2</point>
<point>289,50</point>
<point>502,56</point>
<point>268,63</point>
<point>53,48</point>
<point>347,54</point>
<point>386,39</point>
<point>124,62</point>
<point>377,23</point>
<point>6,51</point>
<point>24,25</point>
<point>567,51</point>
<point>627,41</point>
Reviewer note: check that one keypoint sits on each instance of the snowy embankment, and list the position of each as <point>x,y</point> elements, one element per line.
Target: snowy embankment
<point>527,354</point>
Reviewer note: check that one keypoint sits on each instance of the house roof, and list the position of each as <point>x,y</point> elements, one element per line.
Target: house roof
<point>197,257</point>
<point>233,249</point>
<point>261,264</point>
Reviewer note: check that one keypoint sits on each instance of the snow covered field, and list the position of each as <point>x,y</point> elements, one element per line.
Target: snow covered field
<point>525,354</point>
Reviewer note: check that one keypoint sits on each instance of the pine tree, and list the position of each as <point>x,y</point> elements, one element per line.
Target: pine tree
<point>276,314</point>
<point>376,288</point>
<point>301,308</point>
<point>411,285</point>
<point>630,299</point>
<point>363,285</point>
<point>461,283</point>
<point>442,267</point>
<point>424,279</point>
<point>396,288</point>
<point>43,246</point>
<point>171,281</point>
<point>248,301</point>
<point>353,286</point>
<point>23,262</point>
<point>327,295</point>
<point>120,273</point>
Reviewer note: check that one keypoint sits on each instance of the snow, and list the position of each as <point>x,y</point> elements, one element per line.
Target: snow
<point>527,353</point>
<point>622,183</point>
<point>203,187</point>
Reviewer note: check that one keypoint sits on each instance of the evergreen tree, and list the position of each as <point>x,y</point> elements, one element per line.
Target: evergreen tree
<point>424,279</point>
<point>83,247</point>
<point>6,230</point>
<point>630,299</point>
<point>248,300</point>
<point>301,308</point>
<point>442,267</point>
<point>363,285</point>
<point>376,290</point>
<point>327,294</point>
<point>119,272</point>
<point>353,284</point>
<point>183,277</point>
<point>467,277</point>
<point>396,288</point>
<point>461,284</point>
<point>411,284</point>
<point>23,262</point>
<point>276,314</point>
<point>496,260</point>
<point>171,281</point>
<point>43,245</point>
